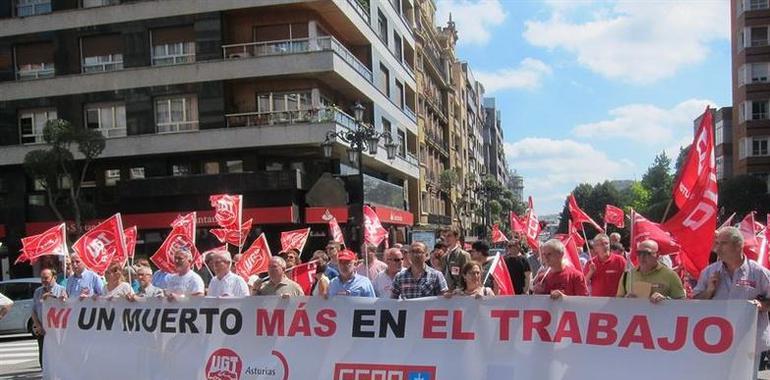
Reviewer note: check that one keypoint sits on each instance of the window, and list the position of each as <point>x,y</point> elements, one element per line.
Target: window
<point>211,167</point>
<point>36,200</point>
<point>759,146</point>
<point>759,36</point>
<point>34,61</point>
<point>178,114</point>
<point>759,72</point>
<point>235,166</point>
<point>109,119</point>
<point>136,173</point>
<point>99,3</point>
<point>397,48</point>
<point>399,95</point>
<point>382,27</point>
<point>719,132</point>
<point>401,141</point>
<point>383,80</point>
<point>758,4</point>
<point>101,53</point>
<point>26,8</point>
<point>720,161</point>
<point>180,170</point>
<point>386,127</point>
<point>31,124</point>
<point>173,46</point>
<point>111,177</point>
<point>758,110</point>
<point>283,101</point>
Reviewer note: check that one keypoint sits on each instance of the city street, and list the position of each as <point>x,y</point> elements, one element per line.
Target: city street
<point>18,357</point>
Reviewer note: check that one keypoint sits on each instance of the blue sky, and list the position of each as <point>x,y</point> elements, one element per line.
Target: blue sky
<point>593,90</point>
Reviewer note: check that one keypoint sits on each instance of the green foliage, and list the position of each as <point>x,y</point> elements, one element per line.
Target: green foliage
<point>592,199</point>
<point>658,181</point>
<point>635,197</point>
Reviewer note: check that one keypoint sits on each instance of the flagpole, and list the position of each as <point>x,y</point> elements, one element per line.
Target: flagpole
<point>240,222</point>
<point>494,263</point>
<point>631,249</point>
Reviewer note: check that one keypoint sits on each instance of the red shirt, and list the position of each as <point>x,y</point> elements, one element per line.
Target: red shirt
<point>570,281</point>
<point>604,282</point>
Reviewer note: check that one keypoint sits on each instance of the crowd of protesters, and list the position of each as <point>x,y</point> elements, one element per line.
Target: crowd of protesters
<point>446,269</point>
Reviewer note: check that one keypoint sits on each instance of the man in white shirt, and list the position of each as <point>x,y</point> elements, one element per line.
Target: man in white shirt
<point>375,265</point>
<point>184,282</point>
<point>225,283</point>
<point>383,282</point>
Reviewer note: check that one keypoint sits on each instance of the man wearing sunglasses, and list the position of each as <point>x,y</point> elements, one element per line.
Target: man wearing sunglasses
<point>383,283</point>
<point>664,283</point>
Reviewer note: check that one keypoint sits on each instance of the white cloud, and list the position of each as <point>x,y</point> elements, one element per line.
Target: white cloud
<point>637,42</point>
<point>646,123</point>
<point>527,75</point>
<point>552,168</point>
<point>474,19</point>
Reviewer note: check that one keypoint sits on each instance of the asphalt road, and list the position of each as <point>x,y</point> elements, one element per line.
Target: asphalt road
<point>18,357</point>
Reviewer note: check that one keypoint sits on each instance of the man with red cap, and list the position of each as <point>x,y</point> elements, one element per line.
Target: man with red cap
<point>349,283</point>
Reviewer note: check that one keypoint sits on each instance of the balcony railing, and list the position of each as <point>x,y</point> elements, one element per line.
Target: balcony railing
<point>175,127</point>
<point>112,132</point>
<point>35,71</point>
<point>296,46</point>
<point>362,8</point>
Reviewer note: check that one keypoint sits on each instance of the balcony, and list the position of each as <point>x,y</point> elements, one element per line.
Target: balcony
<point>203,184</point>
<point>35,71</point>
<point>296,46</point>
<point>410,114</point>
<point>362,8</point>
<point>437,142</point>
<point>312,116</point>
<point>177,127</point>
<point>441,220</point>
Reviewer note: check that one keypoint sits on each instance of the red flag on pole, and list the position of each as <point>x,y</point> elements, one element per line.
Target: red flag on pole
<point>295,239</point>
<point>578,216</point>
<point>644,229</point>
<point>374,232</point>
<point>576,236</point>
<point>227,210</point>
<point>304,274</point>
<point>694,224</point>
<point>100,245</point>
<point>499,273</point>
<point>334,227</point>
<point>254,260</point>
<point>728,222</point>
<point>233,236</point>
<point>516,224</point>
<point>51,242</point>
<point>182,236</point>
<point>749,229</point>
<point>130,235</point>
<point>533,227</point>
<point>614,215</point>
<point>764,250</point>
<point>571,256</point>
<point>497,235</point>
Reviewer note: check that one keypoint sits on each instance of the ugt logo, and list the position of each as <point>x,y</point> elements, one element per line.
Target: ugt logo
<point>224,364</point>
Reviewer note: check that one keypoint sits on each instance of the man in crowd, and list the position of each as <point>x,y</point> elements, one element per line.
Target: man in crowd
<point>518,267</point>
<point>454,259</point>
<point>437,256</point>
<point>83,283</point>
<point>384,280</point>
<point>226,283</point>
<point>278,284</point>
<point>49,289</point>
<point>558,279</point>
<point>333,266</point>
<point>615,238</point>
<point>604,270</point>
<point>291,256</point>
<point>735,276</point>
<point>375,265</point>
<point>184,282</point>
<point>419,280</point>
<point>146,289</point>
<point>349,283</point>
<point>664,283</point>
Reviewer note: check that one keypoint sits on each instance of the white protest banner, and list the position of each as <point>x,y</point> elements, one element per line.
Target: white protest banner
<point>518,338</point>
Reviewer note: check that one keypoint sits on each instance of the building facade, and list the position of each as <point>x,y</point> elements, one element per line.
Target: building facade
<point>494,153</point>
<point>196,98</point>
<point>751,90</point>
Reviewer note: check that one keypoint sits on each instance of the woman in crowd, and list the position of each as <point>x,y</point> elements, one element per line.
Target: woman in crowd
<point>321,284</point>
<point>117,286</point>
<point>471,273</point>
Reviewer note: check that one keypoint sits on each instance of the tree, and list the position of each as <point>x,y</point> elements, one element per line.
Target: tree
<point>658,181</point>
<point>59,172</point>
<point>635,197</point>
<point>683,152</point>
<point>743,194</point>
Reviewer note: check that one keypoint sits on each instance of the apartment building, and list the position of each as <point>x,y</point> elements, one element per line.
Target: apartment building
<point>202,97</point>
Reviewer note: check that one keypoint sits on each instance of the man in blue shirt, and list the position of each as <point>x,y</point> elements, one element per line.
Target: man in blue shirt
<point>348,283</point>
<point>49,289</point>
<point>83,283</point>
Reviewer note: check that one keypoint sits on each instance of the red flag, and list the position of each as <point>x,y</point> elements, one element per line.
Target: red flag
<point>516,224</point>
<point>571,256</point>
<point>227,210</point>
<point>182,236</point>
<point>334,227</point>
<point>295,239</point>
<point>578,216</point>
<point>51,242</point>
<point>694,224</point>
<point>499,273</point>
<point>255,260</point>
<point>576,236</point>
<point>130,235</point>
<point>374,232</point>
<point>100,245</point>
<point>764,251</point>
<point>187,223</point>
<point>694,164</point>
<point>614,215</point>
<point>533,227</point>
<point>235,237</point>
<point>748,228</point>
<point>644,229</point>
<point>728,222</point>
<point>497,235</point>
<point>304,274</point>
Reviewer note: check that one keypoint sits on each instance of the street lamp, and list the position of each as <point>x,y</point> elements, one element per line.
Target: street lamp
<point>364,138</point>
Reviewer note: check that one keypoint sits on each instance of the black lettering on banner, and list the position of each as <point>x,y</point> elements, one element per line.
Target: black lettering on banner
<point>106,319</point>
<point>238,321</point>
<point>131,319</point>
<point>359,322</point>
<point>150,319</point>
<point>169,317</point>
<point>86,324</point>
<point>387,322</point>
<point>187,321</point>
<point>209,312</point>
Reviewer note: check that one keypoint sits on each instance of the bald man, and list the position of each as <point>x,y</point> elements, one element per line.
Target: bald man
<point>665,284</point>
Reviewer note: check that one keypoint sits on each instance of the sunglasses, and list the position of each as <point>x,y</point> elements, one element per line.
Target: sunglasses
<point>641,253</point>
<point>398,259</point>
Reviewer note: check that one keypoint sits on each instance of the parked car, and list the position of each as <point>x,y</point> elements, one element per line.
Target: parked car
<point>20,291</point>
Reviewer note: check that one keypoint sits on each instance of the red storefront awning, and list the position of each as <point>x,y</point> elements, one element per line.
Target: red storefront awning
<point>389,215</point>
<point>162,220</point>
<point>314,215</point>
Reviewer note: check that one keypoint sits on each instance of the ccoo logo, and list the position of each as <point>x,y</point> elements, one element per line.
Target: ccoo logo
<point>224,364</point>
